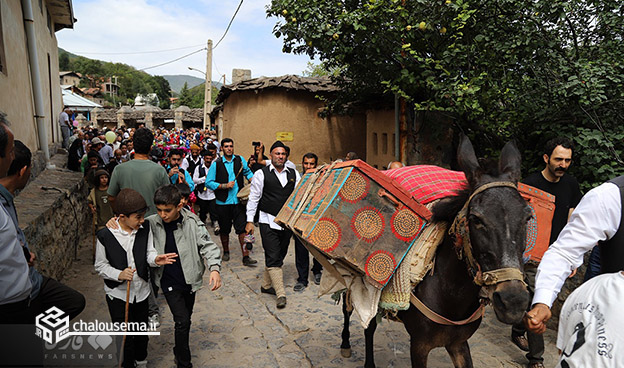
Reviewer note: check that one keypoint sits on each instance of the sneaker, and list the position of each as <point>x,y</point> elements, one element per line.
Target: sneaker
<point>140,363</point>
<point>270,290</point>
<point>317,278</point>
<point>154,320</point>
<point>217,229</point>
<point>248,261</point>
<point>299,287</point>
<point>226,256</point>
<point>281,302</point>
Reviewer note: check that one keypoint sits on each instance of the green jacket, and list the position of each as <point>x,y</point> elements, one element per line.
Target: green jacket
<point>194,245</point>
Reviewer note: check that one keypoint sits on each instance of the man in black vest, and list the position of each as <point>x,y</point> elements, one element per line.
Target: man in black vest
<point>270,188</point>
<point>226,178</point>
<point>555,180</point>
<point>597,219</point>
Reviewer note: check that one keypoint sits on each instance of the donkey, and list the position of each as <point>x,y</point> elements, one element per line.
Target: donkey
<point>490,219</point>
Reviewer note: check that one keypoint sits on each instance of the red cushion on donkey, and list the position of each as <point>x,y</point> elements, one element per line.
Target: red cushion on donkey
<point>426,183</point>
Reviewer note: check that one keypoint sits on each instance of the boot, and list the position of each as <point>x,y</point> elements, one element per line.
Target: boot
<point>266,283</point>
<point>225,242</point>
<point>241,240</point>
<point>277,279</point>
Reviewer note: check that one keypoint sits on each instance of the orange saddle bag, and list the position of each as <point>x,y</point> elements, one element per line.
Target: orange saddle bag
<point>538,229</point>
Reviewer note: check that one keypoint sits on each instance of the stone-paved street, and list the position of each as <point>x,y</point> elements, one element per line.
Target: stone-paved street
<point>237,326</point>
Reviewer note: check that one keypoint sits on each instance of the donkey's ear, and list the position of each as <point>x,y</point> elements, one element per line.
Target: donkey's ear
<point>510,161</point>
<point>468,160</point>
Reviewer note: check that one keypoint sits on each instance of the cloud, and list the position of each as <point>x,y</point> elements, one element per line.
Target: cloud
<point>122,26</point>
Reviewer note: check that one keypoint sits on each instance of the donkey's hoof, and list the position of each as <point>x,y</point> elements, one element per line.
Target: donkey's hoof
<point>346,353</point>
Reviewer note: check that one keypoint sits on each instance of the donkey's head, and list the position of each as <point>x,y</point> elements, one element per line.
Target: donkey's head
<point>497,217</point>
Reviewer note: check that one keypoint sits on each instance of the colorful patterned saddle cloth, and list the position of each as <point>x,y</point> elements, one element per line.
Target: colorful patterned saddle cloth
<point>426,183</point>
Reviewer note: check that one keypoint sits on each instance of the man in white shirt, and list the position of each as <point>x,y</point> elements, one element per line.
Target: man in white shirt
<point>65,125</point>
<point>190,162</point>
<point>270,188</point>
<point>591,327</point>
<point>596,219</point>
<point>205,196</point>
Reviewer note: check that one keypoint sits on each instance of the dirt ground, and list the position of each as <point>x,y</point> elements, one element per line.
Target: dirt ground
<point>237,326</point>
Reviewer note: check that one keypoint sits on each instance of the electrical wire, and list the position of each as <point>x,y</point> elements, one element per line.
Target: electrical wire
<point>174,60</point>
<point>229,24</point>
<point>139,52</point>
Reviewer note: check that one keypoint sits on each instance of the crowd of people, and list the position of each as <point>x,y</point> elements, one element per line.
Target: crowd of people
<point>157,195</point>
<point>180,185</point>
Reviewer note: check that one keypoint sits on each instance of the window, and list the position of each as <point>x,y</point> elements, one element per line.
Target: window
<point>49,22</point>
<point>374,144</point>
<point>384,143</point>
<point>3,66</point>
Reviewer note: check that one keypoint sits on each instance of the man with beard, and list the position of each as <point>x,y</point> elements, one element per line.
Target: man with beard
<point>552,179</point>
<point>270,188</point>
<point>226,177</point>
<point>190,162</point>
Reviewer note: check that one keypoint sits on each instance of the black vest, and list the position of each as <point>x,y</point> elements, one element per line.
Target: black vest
<point>192,165</point>
<point>222,176</point>
<point>273,194</point>
<point>202,174</point>
<point>117,256</point>
<point>612,250</point>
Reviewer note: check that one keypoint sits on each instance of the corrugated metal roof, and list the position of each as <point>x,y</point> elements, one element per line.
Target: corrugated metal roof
<point>75,102</point>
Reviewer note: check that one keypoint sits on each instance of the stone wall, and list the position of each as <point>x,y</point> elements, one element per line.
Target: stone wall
<point>54,215</point>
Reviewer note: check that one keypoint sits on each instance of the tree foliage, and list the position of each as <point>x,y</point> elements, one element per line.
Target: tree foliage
<point>194,97</point>
<point>501,69</point>
<point>131,81</point>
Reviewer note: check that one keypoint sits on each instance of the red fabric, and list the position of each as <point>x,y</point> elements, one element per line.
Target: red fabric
<point>427,183</point>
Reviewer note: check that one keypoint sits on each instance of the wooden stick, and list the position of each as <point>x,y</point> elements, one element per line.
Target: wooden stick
<point>93,238</point>
<point>123,341</point>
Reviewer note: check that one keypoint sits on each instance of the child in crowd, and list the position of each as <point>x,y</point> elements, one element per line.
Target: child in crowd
<point>122,258</point>
<point>177,230</point>
<point>98,199</point>
<point>185,191</point>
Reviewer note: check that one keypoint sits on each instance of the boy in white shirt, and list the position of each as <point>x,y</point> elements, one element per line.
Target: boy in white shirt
<point>122,258</point>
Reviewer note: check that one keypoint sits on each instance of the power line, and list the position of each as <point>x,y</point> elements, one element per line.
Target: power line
<point>174,60</point>
<point>139,52</point>
<point>228,27</point>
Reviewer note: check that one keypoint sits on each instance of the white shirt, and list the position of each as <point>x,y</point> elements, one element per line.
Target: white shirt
<point>591,327</point>
<point>207,194</point>
<point>139,288</point>
<point>185,163</point>
<point>64,119</point>
<point>255,193</point>
<point>596,218</point>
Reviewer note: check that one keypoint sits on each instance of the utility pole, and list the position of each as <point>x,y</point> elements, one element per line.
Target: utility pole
<point>208,86</point>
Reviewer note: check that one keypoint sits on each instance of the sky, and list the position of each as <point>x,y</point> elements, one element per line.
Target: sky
<point>109,30</point>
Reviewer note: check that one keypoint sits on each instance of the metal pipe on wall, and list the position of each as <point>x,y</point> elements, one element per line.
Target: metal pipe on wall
<point>35,77</point>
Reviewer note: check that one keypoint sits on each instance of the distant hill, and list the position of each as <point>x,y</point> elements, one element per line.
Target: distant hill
<point>177,82</point>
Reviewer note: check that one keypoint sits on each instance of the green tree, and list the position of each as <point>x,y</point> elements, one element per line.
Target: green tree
<point>320,70</point>
<point>160,86</point>
<point>63,61</point>
<point>185,98</point>
<point>523,69</point>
